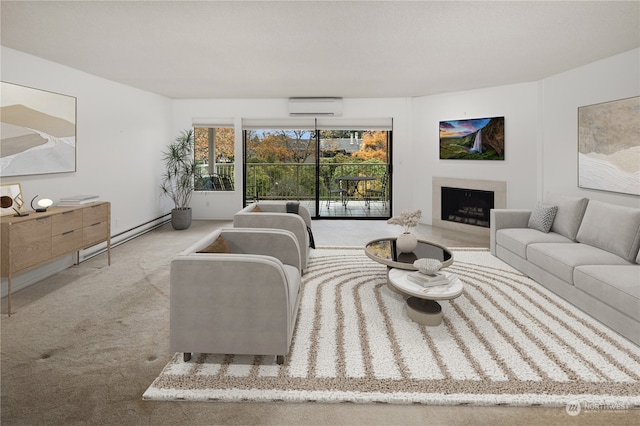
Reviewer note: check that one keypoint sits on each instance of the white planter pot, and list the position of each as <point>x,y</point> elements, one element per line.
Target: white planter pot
<point>406,242</point>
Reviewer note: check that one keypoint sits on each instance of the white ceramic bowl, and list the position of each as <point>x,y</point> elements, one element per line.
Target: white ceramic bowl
<point>427,265</point>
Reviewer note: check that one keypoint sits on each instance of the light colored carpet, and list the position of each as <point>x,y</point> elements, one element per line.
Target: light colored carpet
<point>505,341</point>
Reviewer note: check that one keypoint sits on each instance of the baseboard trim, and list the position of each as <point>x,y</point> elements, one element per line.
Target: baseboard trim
<point>125,236</point>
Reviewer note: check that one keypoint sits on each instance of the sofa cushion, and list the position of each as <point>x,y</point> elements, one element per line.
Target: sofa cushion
<point>542,217</point>
<point>612,228</point>
<point>561,259</point>
<point>617,286</point>
<point>516,240</point>
<point>569,215</point>
<point>219,245</point>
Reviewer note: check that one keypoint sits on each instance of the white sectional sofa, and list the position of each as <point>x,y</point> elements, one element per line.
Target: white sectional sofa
<point>590,256</point>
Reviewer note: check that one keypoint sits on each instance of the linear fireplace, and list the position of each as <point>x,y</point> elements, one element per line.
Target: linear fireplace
<point>474,215</point>
<point>470,206</point>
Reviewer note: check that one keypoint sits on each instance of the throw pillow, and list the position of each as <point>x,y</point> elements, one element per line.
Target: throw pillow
<point>256,209</point>
<point>218,246</point>
<point>542,217</point>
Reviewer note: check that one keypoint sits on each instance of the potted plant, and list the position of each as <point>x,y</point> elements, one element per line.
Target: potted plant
<point>178,179</point>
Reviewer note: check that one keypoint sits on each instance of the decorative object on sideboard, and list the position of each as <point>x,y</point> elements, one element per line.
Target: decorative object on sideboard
<point>11,200</point>
<point>177,181</point>
<point>43,204</point>
<point>472,139</point>
<point>78,200</point>
<point>39,131</point>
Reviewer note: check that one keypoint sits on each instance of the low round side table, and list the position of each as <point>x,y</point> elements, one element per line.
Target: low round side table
<point>422,305</point>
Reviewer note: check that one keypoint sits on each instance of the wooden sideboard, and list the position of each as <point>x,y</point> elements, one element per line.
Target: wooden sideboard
<point>31,241</point>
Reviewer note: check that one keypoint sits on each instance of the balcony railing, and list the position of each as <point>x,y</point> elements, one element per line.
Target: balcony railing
<point>222,179</point>
<point>290,181</point>
<point>295,181</point>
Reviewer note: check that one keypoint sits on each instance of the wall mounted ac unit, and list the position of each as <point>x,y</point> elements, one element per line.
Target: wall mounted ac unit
<point>315,107</point>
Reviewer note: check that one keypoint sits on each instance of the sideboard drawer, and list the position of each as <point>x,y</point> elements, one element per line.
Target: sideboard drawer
<point>28,255</point>
<point>66,221</point>
<point>94,234</point>
<point>27,233</point>
<point>66,242</point>
<point>94,214</point>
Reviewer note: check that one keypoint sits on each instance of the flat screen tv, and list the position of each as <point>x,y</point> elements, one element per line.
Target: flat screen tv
<point>472,139</point>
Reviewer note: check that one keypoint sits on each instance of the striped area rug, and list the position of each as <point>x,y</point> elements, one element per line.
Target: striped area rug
<point>505,341</point>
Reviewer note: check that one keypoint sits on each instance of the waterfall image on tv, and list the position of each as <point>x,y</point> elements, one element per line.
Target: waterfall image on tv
<point>472,139</point>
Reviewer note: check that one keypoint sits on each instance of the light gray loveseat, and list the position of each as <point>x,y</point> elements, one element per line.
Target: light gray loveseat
<point>241,297</point>
<point>590,256</point>
<point>275,216</point>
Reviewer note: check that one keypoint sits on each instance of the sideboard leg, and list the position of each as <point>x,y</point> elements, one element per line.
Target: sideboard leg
<point>9,295</point>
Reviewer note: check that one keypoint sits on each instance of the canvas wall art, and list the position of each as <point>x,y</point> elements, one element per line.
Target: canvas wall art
<point>609,146</point>
<point>38,131</point>
<point>472,139</point>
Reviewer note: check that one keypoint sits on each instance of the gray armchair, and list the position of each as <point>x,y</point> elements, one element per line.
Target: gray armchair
<point>275,216</point>
<point>242,299</point>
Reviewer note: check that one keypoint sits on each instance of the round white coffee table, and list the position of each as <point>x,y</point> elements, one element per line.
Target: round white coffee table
<point>422,305</point>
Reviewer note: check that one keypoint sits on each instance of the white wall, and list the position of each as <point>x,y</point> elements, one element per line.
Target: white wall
<point>518,104</point>
<point>121,132</point>
<point>222,205</point>
<point>613,78</point>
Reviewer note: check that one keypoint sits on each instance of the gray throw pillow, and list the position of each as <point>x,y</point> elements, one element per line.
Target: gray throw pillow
<point>542,217</point>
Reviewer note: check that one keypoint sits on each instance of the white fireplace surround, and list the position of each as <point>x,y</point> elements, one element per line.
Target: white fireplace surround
<point>499,189</point>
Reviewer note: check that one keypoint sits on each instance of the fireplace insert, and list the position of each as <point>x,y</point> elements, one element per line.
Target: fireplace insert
<point>468,206</point>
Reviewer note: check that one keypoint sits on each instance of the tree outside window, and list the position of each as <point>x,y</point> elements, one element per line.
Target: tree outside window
<point>215,158</point>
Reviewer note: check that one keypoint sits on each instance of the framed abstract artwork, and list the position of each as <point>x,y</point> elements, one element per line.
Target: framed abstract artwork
<point>472,139</point>
<point>38,131</point>
<point>609,146</point>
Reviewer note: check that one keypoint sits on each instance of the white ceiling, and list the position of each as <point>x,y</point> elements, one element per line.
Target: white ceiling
<point>266,49</point>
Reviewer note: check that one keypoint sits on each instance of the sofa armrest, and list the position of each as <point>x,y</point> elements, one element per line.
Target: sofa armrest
<point>278,243</point>
<point>507,218</point>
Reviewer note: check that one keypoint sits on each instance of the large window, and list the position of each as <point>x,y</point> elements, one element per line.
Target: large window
<point>214,157</point>
<point>336,168</point>
<point>280,164</point>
